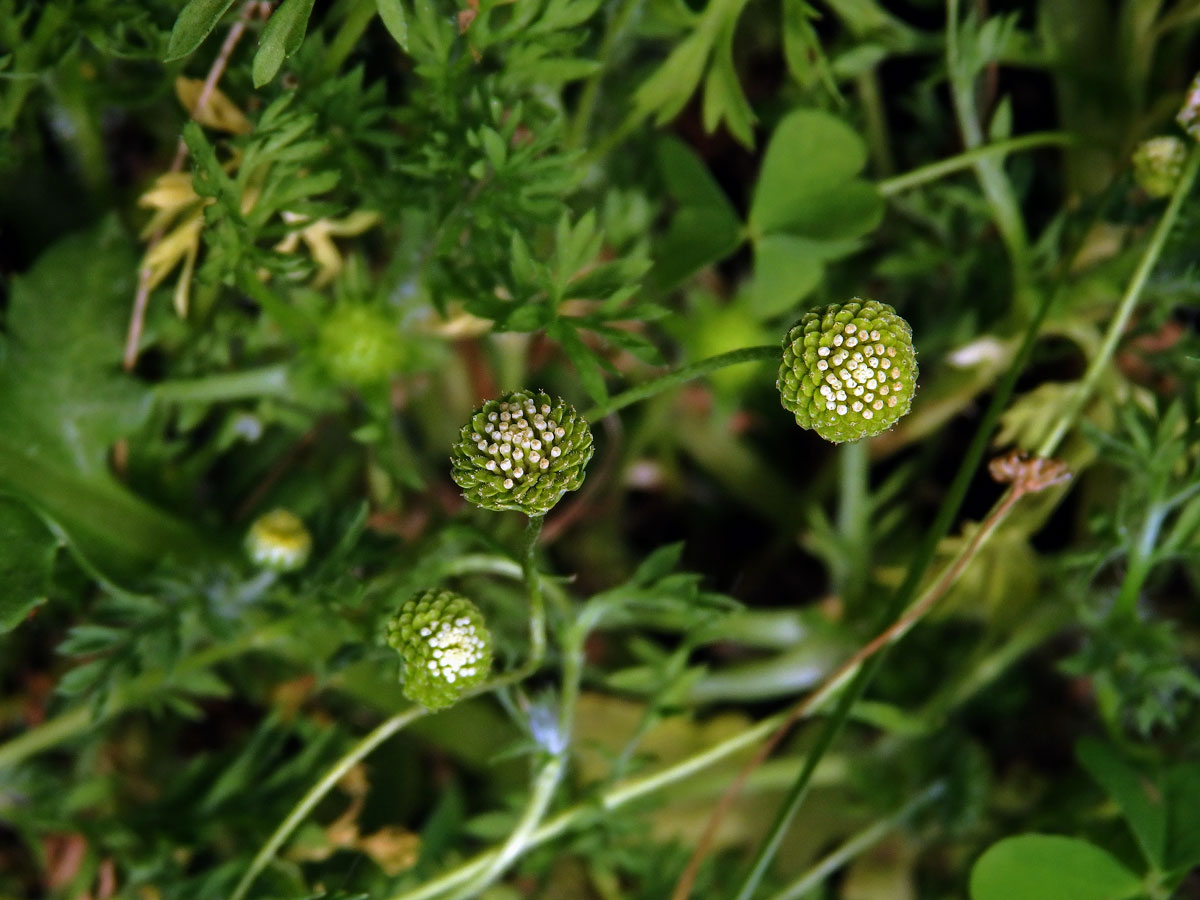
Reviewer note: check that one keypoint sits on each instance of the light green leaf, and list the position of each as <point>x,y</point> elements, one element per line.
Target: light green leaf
<point>786,268</point>
<point>723,95</point>
<point>64,401</point>
<point>811,156</point>
<point>394,20</point>
<point>26,553</point>
<point>704,230</point>
<point>665,92</point>
<point>1050,867</point>
<point>195,22</point>
<point>1140,800</point>
<point>282,36</point>
<point>802,48</point>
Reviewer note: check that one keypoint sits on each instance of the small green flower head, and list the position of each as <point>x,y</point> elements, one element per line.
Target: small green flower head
<point>1158,163</point>
<point>278,541</point>
<point>849,370</point>
<point>444,646</point>
<point>359,345</point>
<point>522,452</point>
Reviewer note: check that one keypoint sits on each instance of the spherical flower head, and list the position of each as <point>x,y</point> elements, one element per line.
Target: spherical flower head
<point>522,452</point>
<point>444,646</point>
<point>1158,164</point>
<point>849,370</point>
<point>359,345</point>
<point>278,541</point>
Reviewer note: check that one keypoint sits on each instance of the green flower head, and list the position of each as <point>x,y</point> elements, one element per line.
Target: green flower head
<point>444,646</point>
<point>278,541</point>
<point>359,345</point>
<point>1158,163</point>
<point>522,452</point>
<point>849,370</point>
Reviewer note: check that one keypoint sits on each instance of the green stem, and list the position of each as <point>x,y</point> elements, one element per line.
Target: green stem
<point>548,778</point>
<point>347,37</point>
<point>899,601</point>
<point>1133,292</point>
<point>957,491</point>
<point>620,796</point>
<point>857,844</point>
<point>897,184</point>
<point>317,792</point>
<point>853,519</point>
<point>78,719</point>
<point>539,801</point>
<point>996,187</point>
<point>875,120</point>
<point>269,381</point>
<point>617,24</point>
<point>682,375</point>
<point>537,639</point>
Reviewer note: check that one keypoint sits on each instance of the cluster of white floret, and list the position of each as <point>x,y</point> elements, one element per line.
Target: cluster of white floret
<point>456,649</point>
<point>858,381</point>
<point>518,437</point>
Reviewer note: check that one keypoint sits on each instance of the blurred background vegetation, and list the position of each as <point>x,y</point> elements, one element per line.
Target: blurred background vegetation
<point>259,255</point>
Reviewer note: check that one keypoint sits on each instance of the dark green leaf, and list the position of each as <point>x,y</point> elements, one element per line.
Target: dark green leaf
<point>281,38</point>
<point>1141,800</point>
<point>195,22</point>
<point>395,20</point>
<point>1182,789</point>
<point>26,553</point>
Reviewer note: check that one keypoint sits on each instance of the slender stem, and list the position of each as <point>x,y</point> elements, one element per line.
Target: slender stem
<point>1133,292</point>
<point>897,184</point>
<point>907,590</point>
<point>621,795</point>
<point>995,184</point>
<point>79,718</point>
<point>137,317</point>
<point>539,801</point>
<point>857,844</point>
<point>875,116</point>
<point>269,381</point>
<point>682,375</point>
<point>637,788</point>
<point>537,640</point>
<point>617,24</point>
<point>853,520</point>
<point>347,37</point>
<point>300,811</point>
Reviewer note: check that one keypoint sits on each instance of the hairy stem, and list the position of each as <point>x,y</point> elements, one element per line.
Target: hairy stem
<point>682,375</point>
<point>1128,303</point>
<point>318,791</point>
<point>931,172</point>
<point>997,189</point>
<point>864,840</point>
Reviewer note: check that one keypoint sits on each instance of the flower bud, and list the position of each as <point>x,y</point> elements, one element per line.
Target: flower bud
<point>278,541</point>
<point>1158,163</point>
<point>849,370</point>
<point>522,452</point>
<point>359,345</point>
<point>444,645</point>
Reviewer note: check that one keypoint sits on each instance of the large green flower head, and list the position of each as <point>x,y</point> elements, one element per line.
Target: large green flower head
<point>522,452</point>
<point>849,370</point>
<point>444,645</point>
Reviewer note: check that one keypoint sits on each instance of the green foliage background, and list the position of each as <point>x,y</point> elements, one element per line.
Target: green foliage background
<point>389,211</point>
